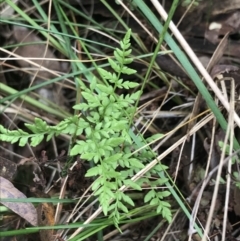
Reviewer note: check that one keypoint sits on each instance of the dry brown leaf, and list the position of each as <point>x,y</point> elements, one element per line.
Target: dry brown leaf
<point>222,25</point>
<point>215,30</point>
<point>223,6</point>
<point>218,53</point>
<point>25,210</point>
<point>221,69</point>
<point>32,48</point>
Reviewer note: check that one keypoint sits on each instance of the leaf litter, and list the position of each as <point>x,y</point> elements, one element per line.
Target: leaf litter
<point>204,41</point>
<point>25,210</point>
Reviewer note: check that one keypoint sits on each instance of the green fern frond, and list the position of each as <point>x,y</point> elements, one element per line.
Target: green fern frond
<point>105,123</point>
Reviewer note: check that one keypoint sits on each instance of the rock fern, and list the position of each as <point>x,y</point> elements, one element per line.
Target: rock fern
<point>105,121</point>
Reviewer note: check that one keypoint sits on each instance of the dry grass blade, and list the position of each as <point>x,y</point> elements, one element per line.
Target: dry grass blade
<point>218,53</point>
<point>230,130</point>
<point>195,60</point>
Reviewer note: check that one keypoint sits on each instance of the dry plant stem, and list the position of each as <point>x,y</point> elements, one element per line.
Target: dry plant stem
<point>218,53</point>
<point>158,109</point>
<point>169,226</point>
<point>105,35</point>
<point>228,184</point>
<point>28,70</point>
<point>116,231</point>
<point>204,184</point>
<point>185,13</point>
<point>53,140</point>
<point>10,152</point>
<point>61,196</point>
<point>29,61</point>
<point>141,173</point>
<point>165,114</point>
<point>28,116</point>
<point>178,163</point>
<point>62,192</point>
<point>6,11</point>
<point>30,10</point>
<point>47,43</point>
<point>80,214</point>
<point>44,55</point>
<point>77,207</point>
<point>137,20</point>
<point>52,59</point>
<point>141,108</point>
<point>197,202</point>
<point>170,134</point>
<point>214,198</point>
<point>195,60</point>
<point>212,157</point>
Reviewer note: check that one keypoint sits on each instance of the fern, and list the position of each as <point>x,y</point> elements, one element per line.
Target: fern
<point>108,144</point>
